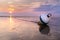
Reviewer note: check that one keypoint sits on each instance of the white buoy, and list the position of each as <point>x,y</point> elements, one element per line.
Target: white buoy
<point>44,18</point>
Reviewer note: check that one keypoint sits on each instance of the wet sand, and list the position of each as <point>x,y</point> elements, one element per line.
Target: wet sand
<point>19,29</point>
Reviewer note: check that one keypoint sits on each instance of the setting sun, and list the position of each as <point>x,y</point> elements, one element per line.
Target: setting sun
<point>11,8</point>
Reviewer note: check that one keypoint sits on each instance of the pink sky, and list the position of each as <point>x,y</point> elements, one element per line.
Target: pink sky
<point>24,6</point>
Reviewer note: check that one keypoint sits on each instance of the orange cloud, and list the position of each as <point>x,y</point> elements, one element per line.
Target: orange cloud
<point>21,5</point>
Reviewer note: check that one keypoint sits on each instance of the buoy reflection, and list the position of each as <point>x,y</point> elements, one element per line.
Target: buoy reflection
<point>44,29</point>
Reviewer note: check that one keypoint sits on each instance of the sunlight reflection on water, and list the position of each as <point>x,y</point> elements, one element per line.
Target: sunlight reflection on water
<point>15,28</point>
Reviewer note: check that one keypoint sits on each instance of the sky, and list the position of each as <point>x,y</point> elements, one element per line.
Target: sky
<point>29,7</point>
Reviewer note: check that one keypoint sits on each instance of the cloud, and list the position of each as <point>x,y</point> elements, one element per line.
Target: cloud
<point>44,8</point>
<point>29,3</point>
<point>55,9</point>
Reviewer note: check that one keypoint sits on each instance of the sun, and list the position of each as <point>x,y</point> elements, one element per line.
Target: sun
<point>11,8</point>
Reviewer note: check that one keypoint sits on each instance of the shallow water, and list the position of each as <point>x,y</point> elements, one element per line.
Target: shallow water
<point>27,28</point>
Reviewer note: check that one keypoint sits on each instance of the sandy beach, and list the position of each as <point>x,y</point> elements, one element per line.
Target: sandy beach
<point>19,29</point>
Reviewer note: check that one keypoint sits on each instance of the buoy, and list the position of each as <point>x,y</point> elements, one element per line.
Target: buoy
<point>44,18</point>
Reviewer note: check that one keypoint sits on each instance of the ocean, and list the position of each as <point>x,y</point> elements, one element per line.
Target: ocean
<point>29,28</point>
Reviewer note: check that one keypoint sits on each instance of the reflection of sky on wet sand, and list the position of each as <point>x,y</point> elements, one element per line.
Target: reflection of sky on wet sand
<point>17,29</point>
<point>4,24</point>
<point>11,28</point>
